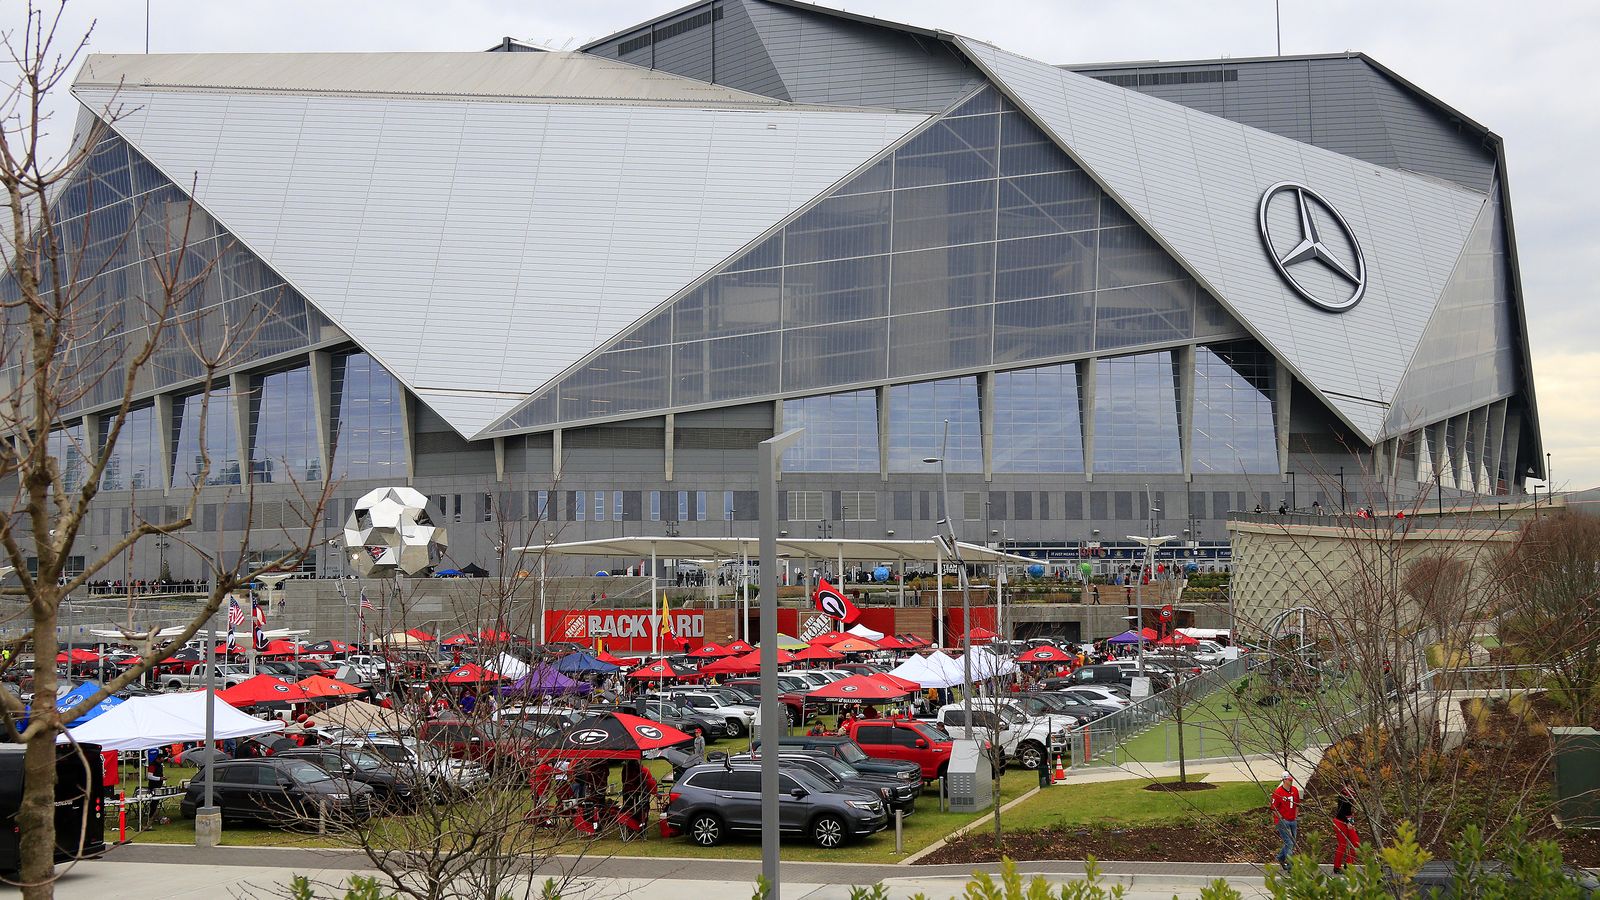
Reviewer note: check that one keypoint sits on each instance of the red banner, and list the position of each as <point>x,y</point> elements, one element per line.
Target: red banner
<point>624,630</point>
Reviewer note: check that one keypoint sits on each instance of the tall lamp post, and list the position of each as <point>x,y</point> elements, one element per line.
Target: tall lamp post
<point>952,546</point>
<point>773,721</point>
<point>1150,544</point>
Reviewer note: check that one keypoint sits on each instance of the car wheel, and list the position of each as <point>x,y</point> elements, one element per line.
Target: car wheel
<point>828,832</point>
<point>174,685</point>
<point>1031,756</point>
<point>735,728</point>
<point>706,829</point>
<point>791,716</point>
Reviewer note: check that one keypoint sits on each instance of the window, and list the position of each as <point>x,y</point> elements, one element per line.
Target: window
<point>683,506</point>
<point>858,506</point>
<point>66,446</point>
<point>971,505</point>
<point>488,507</point>
<point>700,506</point>
<point>540,502</point>
<point>727,506</point>
<point>283,425</point>
<point>709,780</point>
<point>742,782</point>
<point>135,462</point>
<point>875,734</point>
<point>841,433</point>
<point>917,413</point>
<point>1136,414</point>
<point>1234,430</point>
<point>1036,420</point>
<point>655,506</point>
<point>580,506</point>
<point>616,506</point>
<point>205,432</point>
<point>368,416</point>
<point>807,506</point>
<point>599,506</point>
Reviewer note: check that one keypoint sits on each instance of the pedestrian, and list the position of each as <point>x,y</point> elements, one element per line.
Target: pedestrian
<point>1285,805</point>
<point>1344,829</point>
<point>1316,507</point>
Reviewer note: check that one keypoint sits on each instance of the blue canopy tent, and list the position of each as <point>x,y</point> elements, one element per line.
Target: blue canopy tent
<point>65,702</point>
<point>544,679</point>
<point>584,663</point>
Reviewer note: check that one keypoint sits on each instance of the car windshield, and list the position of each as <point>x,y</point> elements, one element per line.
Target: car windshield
<point>809,781</point>
<point>851,753</point>
<point>732,698</point>
<point>366,762</point>
<point>1032,705</point>
<point>933,732</point>
<point>304,772</point>
<point>392,752</point>
<point>838,768</point>
<point>1011,716</point>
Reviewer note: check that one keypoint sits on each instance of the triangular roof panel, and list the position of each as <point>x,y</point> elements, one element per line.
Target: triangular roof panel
<point>477,247</point>
<point>1196,182</point>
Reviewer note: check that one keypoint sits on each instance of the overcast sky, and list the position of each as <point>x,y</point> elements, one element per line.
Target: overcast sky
<point>1525,70</point>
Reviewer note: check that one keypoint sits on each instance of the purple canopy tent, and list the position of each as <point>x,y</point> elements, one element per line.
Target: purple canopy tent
<point>1131,637</point>
<point>544,679</point>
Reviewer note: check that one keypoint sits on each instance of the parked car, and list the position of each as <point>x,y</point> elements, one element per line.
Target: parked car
<point>278,791</point>
<point>80,818</point>
<point>1076,706</point>
<point>443,775</point>
<point>492,744</point>
<point>847,750</point>
<point>227,675</point>
<point>392,789</point>
<point>1110,673</point>
<point>739,718</point>
<point>896,792</point>
<point>922,743</point>
<point>793,696</point>
<point>1110,697</point>
<point>713,800</point>
<point>1031,741</point>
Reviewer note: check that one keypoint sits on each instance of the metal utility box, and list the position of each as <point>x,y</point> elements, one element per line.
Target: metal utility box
<point>969,782</point>
<point>1577,775</point>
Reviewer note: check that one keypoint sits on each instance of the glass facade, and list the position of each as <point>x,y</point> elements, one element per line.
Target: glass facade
<point>976,243</point>
<point>66,446</point>
<point>1234,431</point>
<point>917,413</point>
<point>123,226</point>
<point>205,428</point>
<point>283,428</point>
<point>841,433</point>
<point>368,418</point>
<point>1036,420</point>
<point>135,463</point>
<point>1136,414</point>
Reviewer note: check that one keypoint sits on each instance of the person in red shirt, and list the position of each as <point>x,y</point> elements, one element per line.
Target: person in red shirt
<point>1285,805</point>
<point>1344,829</point>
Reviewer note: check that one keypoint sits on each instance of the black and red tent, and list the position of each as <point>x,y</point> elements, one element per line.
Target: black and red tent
<point>610,736</point>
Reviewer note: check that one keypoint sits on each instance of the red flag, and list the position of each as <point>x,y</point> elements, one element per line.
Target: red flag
<point>831,602</point>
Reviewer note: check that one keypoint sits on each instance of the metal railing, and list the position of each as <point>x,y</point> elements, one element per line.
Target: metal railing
<point>1101,742</point>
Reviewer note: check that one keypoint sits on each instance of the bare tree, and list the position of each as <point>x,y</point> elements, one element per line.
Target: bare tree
<point>1550,606</point>
<point>74,342</point>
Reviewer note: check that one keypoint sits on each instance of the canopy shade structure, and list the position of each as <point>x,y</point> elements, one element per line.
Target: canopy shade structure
<point>155,721</point>
<point>738,647</point>
<point>1045,655</point>
<point>981,635</point>
<point>745,547</point>
<point>1178,639</point>
<point>469,673</point>
<point>359,715</point>
<point>545,679</point>
<point>817,653</point>
<point>1133,637</point>
<point>829,638</point>
<point>785,642</point>
<point>329,647</point>
<point>863,631</point>
<point>610,736</point>
<point>860,689</point>
<point>853,645</point>
<point>77,655</point>
<point>710,651</point>
<point>585,663</point>
<point>263,689</point>
<point>896,681</point>
<point>66,702</point>
<point>319,686</point>
<point>664,669</point>
<point>509,666</point>
<point>744,664</point>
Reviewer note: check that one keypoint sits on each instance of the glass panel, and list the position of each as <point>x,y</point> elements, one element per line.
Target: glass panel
<point>66,446</point>
<point>1234,429</point>
<point>615,382</point>
<point>368,420</point>
<point>1148,314</point>
<point>1025,150</point>
<point>943,215</point>
<point>1130,256</point>
<point>1045,266</point>
<point>283,422</point>
<point>839,227</point>
<point>1036,424</point>
<point>1048,326</point>
<point>942,279</point>
<point>939,341</point>
<point>841,433</point>
<point>729,304</point>
<point>763,255</point>
<point>215,437</point>
<point>834,354</point>
<point>824,293</point>
<point>877,177</point>
<point>917,413</point>
<point>1136,414</point>
<point>987,100</point>
<point>950,150</point>
<point>744,366</point>
<point>1048,204</point>
<point>135,462</point>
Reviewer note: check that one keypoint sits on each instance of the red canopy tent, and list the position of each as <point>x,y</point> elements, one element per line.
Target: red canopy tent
<point>610,736</point>
<point>263,689</point>
<point>1177,639</point>
<point>854,644</point>
<point>738,647</point>
<point>981,635</point>
<point>817,653</point>
<point>459,640</point>
<point>417,634</point>
<point>892,642</point>
<point>828,639</point>
<point>469,673</point>
<point>711,651</point>
<point>1045,655</point>
<point>664,670</point>
<point>606,657</point>
<point>733,665</point>
<point>320,686</point>
<point>77,655</point>
<point>859,689</point>
<point>896,681</point>
<point>279,647</point>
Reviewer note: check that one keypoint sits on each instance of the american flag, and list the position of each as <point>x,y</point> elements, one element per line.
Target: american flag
<point>235,613</point>
<point>365,603</point>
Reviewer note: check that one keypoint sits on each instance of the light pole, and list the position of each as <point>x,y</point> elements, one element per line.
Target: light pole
<point>773,721</point>
<point>1341,489</point>
<point>953,547</point>
<point>1150,544</point>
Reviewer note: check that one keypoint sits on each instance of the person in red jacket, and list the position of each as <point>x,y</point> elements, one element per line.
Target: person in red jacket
<point>1344,829</point>
<point>1285,805</point>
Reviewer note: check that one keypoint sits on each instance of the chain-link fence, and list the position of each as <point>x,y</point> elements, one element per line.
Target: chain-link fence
<point>1110,740</point>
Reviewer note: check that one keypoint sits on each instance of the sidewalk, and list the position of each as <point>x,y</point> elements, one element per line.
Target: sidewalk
<point>1249,768</point>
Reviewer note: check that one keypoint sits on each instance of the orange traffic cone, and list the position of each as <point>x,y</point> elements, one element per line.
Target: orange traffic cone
<point>1060,773</point>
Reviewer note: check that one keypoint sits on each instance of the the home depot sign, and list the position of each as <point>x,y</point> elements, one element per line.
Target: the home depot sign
<point>622,629</point>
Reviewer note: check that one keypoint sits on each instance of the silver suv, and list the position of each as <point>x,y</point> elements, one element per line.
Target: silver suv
<point>712,800</point>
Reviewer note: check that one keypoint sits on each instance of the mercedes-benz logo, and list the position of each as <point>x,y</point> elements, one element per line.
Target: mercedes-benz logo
<point>1309,247</point>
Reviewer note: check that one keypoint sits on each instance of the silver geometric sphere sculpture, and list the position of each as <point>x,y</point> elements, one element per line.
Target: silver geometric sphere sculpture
<point>392,530</point>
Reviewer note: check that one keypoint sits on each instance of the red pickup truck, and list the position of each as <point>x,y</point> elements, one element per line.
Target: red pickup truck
<point>926,745</point>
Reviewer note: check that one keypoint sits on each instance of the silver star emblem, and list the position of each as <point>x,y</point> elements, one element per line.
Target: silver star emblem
<point>1311,247</point>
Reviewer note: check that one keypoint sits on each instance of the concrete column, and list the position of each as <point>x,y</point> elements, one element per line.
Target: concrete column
<point>1496,443</point>
<point>1185,362</point>
<point>1086,389</point>
<point>671,431</point>
<point>1282,389</point>
<point>500,459</point>
<point>239,388</point>
<point>777,428</point>
<point>89,425</point>
<point>986,424</point>
<point>320,365</point>
<point>163,415</point>
<point>883,433</point>
<point>555,459</point>
<point>1482,478</point>
<point>1510,445</point>
<point>408,419</point>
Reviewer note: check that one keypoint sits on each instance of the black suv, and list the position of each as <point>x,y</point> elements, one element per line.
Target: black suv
<point>392,789</point>
<point>713,799</point>
<point>1054,703</point>
<point>899,794</point>
<point>279,791</point>
<point>843,748</point>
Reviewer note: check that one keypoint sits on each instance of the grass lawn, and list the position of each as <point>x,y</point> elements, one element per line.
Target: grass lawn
<point>1221,725</point>
<point>1127,803</point>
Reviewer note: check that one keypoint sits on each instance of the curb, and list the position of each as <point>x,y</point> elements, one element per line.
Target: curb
<point>970,826</point>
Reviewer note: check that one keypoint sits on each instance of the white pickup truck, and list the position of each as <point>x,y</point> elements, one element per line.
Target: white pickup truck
<point>1031,741</point>
<point>228,675</point>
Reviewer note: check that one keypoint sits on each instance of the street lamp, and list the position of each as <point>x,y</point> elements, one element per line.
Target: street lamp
<point>1150,544</point>
<point>952,546</point>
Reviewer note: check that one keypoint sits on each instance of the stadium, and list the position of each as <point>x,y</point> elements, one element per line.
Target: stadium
<point>576,289</point>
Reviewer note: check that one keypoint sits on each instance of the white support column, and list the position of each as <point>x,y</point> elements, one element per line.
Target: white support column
<point>1510,445</point>
<point>1496,443</point>
<point>655,615</point>
<point>1086,389</point>
<point>164,424</point>
<point>499,459</point>
<point>671,430</point>
<point>1282,390</point>
<point>986,423</point>
<point>883,433</point>
<point>89,427</point>
<point>320,365</point>
<point>239,408</point>
<point>1185,357</point>
<point>777,428</point>
<point>408,422</point>
<point>555,460</point>
<point>1482,481</point>
<point>938,593</point>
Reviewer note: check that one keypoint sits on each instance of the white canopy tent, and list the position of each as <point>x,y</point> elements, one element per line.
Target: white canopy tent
<point>509,666</point>
<point>161,719</point>
<point>915,669</point>
<point>987,664</point>
<point>864,631</point>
